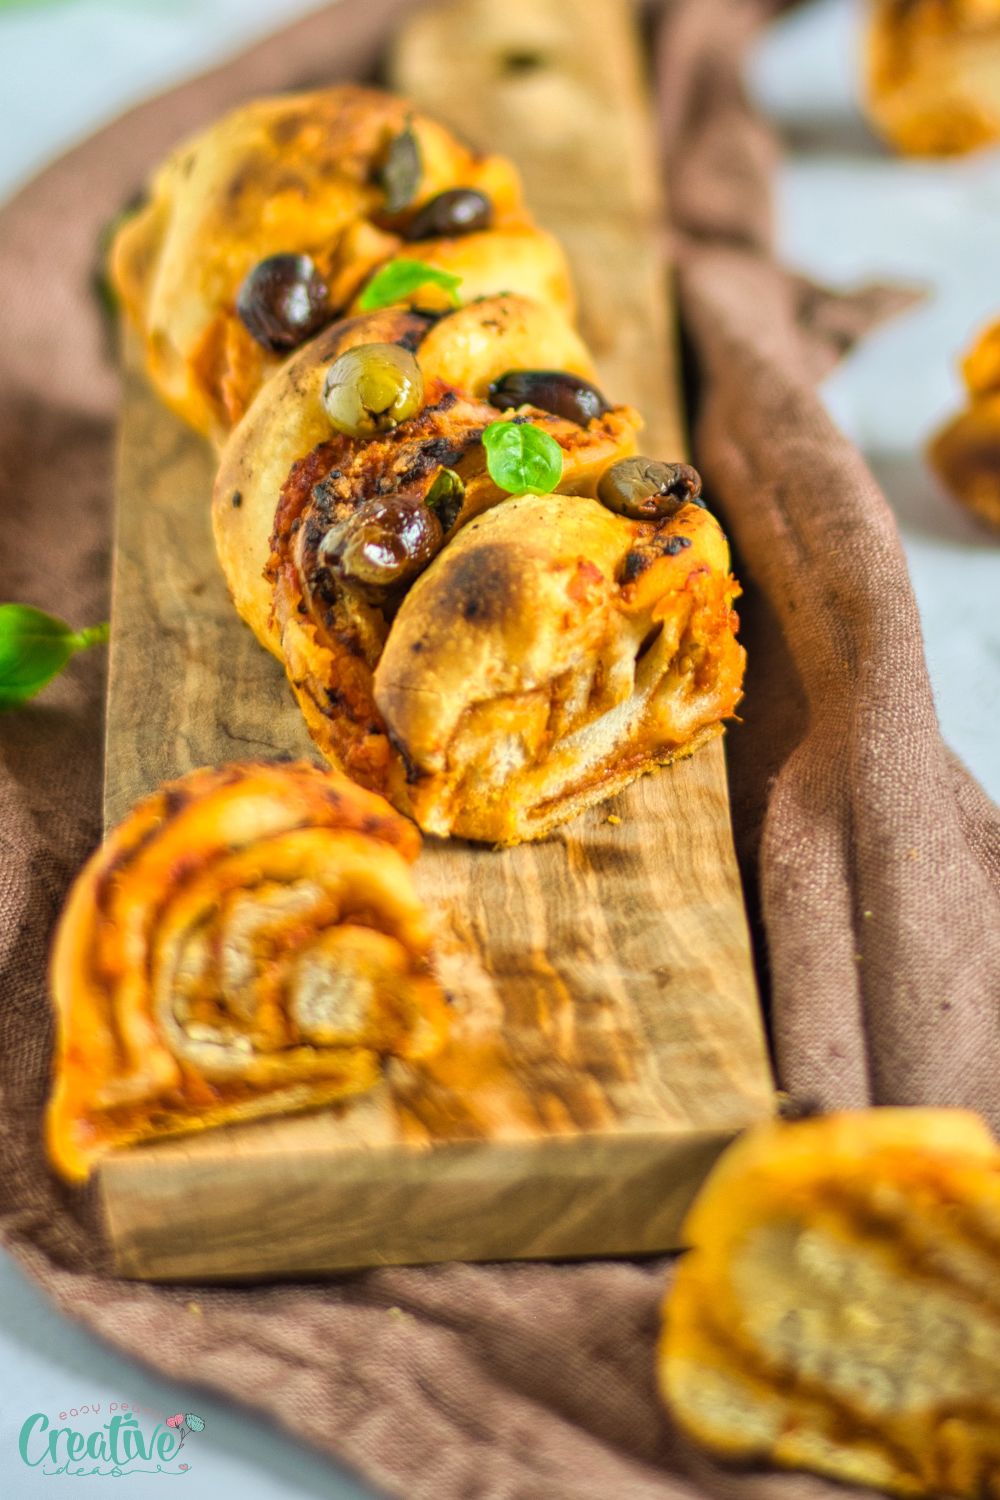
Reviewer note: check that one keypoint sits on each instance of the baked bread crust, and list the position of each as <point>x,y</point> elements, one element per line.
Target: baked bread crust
<point>298,174</point>
<point>605,645</point>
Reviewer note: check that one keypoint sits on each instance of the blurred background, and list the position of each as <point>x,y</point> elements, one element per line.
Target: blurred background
<point>849,210</point>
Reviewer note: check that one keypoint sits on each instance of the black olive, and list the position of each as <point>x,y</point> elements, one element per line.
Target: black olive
<point>458,211</point>
<point>646,490</point>
<point>557,391</point>
<point>387,541</point>
<point>283,302</point>
<point>400,171</point>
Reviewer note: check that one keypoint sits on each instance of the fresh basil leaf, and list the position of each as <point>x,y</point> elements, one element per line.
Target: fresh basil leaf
<point>34,648</point>
<point>396,280</point>
<point>400,173</point>
<point>522,458</point>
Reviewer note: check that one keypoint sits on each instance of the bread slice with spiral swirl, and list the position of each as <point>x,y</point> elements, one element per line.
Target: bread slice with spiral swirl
<point>839,1307</point>
<point>247,942</point>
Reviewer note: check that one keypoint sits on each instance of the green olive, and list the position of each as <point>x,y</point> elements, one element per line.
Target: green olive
<point>371,388</point>
<point>646,490</point>
<point>445,497</point>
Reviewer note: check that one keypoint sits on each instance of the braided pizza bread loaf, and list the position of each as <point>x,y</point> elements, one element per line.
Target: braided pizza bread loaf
<point>492,663</point>
<point>265,226</point>
<point>491,656</point>
<point>247,942</point>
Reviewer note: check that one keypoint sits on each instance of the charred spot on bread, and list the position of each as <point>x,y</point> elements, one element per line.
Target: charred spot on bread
<point>411,771</point>
<point>447,399</point>
<point>482,586</point>
<point>649,546</point>
<point>240,180</point>
<point>414,337</point>
<point>633,565</point>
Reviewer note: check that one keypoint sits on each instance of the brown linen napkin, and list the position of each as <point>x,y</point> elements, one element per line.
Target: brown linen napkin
<point>879,859</point>
<point>518,1382</point>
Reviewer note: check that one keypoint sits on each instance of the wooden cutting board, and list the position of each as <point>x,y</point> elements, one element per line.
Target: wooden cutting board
<point>608,1039</point>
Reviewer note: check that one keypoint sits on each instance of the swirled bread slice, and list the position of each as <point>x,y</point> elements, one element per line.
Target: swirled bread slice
<point>839,1306</point>
<point>247,942</point>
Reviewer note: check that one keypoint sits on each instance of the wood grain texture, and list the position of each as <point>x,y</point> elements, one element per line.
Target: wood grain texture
<point>558,86</point>
<point>607,1039</point>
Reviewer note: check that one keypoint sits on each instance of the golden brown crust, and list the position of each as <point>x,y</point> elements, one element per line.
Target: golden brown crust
<point>247,942</point>
<point>297,174</point>
<point>838,1307</point>
<point>933,74</point>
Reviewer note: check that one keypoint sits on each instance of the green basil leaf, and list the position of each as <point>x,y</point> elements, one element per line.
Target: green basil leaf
<point>521,458</point>
<point>100,276</point>
<point>34,648</point>
<point>398,278</point>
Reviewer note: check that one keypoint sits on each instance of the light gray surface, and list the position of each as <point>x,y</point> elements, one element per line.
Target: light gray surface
<point>848,211</point>
<point>48,1364</point>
